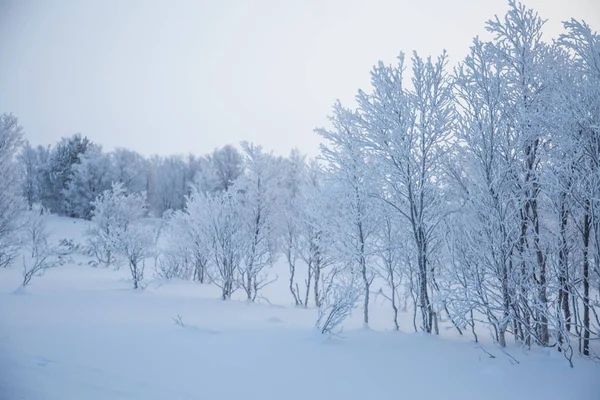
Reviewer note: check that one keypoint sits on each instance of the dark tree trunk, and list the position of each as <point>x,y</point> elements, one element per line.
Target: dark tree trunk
<point>563,295</point>
<point>586,281</point>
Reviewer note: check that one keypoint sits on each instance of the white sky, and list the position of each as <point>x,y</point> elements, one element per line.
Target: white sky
<point>188,76</point>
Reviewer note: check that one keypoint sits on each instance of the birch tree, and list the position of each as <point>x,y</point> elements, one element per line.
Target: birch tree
<point>258,200</point>
<point>583,99</point>
<point>410,132</point>
<point>293,181</point>
<point>518,46</point>
<point>346,157</point>
<point>226,238</point>
<point>483,176</point>
<point>315,241</point>
<point>117,231</point>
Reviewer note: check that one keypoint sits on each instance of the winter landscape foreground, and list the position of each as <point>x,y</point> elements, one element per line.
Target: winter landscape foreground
<point>83,333</point>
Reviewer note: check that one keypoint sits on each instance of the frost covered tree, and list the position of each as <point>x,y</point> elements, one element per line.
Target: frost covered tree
<point>58,171</point>
<point>174,256</point>
<point>188,243</point>
<point>485,231</point>
<point>258,194</point>
<point>117,230</point>
<point>168,184</point>
<point>519,47</point>
<point>129,168</point>
<point>90,177</point>
<point>218,171</point>
<point>350,183</point>
<point>32,161</point>
<point>315,239</point>
<point>134,243</point>
<point>294,175</point>
<point>227,165</point>
<point>410,132</point>
<point>11,203</point>
<point>205,179</point>
<point>227,240</point>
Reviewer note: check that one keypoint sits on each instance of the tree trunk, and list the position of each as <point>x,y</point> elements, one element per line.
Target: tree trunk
<point>394,306</point>
<point>506,304</point>
<point>317,274</point>
<point>426,310</point>
<point>249,284</point>
<point>363,267</point>
<point>586,280</point>
<point>308,281</point>
<point>293,291</point>
<point>543,332</point>
<point>563,294</point>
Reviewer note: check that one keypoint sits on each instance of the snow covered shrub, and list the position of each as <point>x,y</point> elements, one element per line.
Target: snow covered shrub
<point>117,231</point>
<point>187,245</point>
<point>42,256</point>
<point>112,210</point>
<point>226,240</point>
<point>172,257</point>
<point>134,243</point>
<point>339,299</point>
<point>258,191</point>
<point>170,265</point>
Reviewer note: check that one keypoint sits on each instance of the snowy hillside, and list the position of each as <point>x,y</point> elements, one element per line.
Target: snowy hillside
<point>82,333</point>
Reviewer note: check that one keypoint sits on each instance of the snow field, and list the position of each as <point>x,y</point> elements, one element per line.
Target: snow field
<point>82,333</point>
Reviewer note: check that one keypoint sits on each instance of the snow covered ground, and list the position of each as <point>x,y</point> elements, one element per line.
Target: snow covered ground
<point>82,333</point>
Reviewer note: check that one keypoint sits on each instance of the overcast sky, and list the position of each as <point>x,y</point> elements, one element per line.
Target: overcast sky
<point>188,76</point>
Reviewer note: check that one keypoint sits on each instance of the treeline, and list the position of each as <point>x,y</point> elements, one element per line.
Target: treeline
<point>67,177</point>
